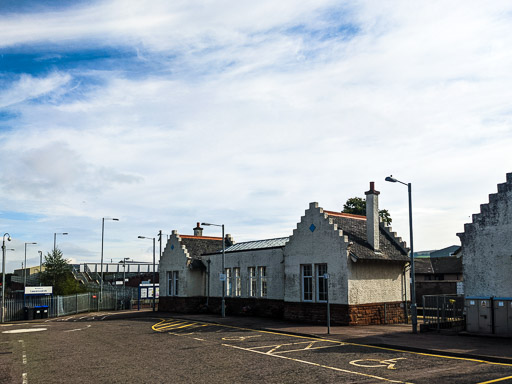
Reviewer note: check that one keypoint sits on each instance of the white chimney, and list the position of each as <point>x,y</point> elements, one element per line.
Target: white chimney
<point>372,216</point>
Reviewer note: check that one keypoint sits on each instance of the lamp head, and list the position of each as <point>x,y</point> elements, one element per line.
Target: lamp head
<point>207,224</point>
<point>391,179</point>
<point>9,238</point>
<point>141,237</point>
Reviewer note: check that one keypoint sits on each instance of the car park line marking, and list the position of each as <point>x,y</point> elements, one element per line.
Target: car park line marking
<point>318,365</point>
<point>23,352</point>
<point>496,380</point>
<point>239,338</point>
<point>275,347</point>
<point>25,330</point>
<point>363,345</point>
<point>24,377</point>
<point>78,329</point>
<point>376,363</point>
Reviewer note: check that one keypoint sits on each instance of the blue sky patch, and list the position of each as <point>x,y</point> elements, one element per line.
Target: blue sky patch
<point>19,216</point>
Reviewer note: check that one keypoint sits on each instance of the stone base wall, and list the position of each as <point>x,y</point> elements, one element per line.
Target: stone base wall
<point>341,314</point>
<point>378,313</point>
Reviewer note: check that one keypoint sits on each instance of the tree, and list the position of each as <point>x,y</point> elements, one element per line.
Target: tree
<point>57,273</point>
<point>357,206</point>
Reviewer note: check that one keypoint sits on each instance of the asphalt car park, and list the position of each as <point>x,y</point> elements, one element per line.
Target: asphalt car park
<point>104,348</point>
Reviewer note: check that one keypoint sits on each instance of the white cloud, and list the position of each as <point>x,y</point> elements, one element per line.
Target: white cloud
<point>246,121</point>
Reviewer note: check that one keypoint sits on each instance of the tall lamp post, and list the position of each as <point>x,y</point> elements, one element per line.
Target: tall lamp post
<point>101,263</point>
<point>414,315</point>
<point>223,307</point>
<point>3,274</point>
<point>154,284</point>
<point>55,239</point>
<point>40,266</point>
<point>25,269</point>
<point>124,272</point>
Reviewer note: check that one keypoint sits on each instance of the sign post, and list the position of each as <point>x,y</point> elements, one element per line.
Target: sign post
<point>326,277</point>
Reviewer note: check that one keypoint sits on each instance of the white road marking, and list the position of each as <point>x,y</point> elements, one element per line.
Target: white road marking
<point>26,330</point>
<point>25,378</point>
<point>316,364</point>
<point>78,329</point>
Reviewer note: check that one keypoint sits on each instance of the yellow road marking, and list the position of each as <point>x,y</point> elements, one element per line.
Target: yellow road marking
<point>496,380</point>
<point>358,345</point>
<point>319,365</point>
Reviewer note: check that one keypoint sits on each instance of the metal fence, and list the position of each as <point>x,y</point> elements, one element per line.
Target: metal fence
<point>443,312</point>
<point>55,306</point>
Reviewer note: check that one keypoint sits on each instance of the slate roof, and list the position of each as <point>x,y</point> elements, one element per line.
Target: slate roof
<point>198,245</point>
<point>354,226</point>
<point>438,265</point>
<point>258,244</point>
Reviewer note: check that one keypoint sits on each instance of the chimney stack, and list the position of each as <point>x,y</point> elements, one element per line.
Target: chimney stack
<point>198,231</point>
<point>372,216</point>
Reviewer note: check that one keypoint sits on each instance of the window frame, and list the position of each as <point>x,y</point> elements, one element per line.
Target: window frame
<point>322,285</point>
<point>303,279</point>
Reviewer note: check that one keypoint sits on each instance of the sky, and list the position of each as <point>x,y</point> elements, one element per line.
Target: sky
<point>164,114</point>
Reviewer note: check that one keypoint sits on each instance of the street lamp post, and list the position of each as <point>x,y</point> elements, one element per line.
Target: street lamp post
<point>25,270</point>
<point>223,307</point>
<point>154,275</point>
<point>55,239</point>
<point>124,271</point>
<point>414,314</point>
<point>3,274</point>
<point>40,266</point>
<point>101,263</point>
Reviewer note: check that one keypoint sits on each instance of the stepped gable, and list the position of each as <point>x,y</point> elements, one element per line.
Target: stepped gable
<point>391,247</point>
<point>491,214</point>
<point>195,246</point>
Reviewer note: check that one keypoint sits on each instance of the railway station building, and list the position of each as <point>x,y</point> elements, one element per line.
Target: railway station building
<point>356,263</point>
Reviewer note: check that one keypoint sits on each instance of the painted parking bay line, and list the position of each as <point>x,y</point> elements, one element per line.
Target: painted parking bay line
<point>318,365</point>
<point>26,330</point>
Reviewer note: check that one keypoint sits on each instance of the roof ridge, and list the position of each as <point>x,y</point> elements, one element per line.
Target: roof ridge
<point>200,237</point>
<point>347,215</point>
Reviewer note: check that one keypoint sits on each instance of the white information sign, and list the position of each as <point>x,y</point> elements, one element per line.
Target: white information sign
<point>222,276</point>
<point>143,293</point>
<point>38,290</point>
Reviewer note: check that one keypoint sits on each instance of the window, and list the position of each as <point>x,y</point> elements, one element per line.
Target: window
<point>238,282</point>
<point>321,282</point>
<point>252,281</point>
<point>176,275</point>
<point>263,281</point>
<point>229,282</point>
<point>172,283</point>
<point>307,282</point>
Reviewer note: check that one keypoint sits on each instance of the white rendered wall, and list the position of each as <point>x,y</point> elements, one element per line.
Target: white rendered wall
<point>269,258</point>
<point>174,258</point>
<point>376,282</point>
<point>324,245</point>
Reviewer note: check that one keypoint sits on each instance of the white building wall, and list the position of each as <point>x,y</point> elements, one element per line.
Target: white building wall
<point>376,282</point>
<point>272,259</point>
<point>174,258</point>
<point>323,245</point>
<point>487,246</point>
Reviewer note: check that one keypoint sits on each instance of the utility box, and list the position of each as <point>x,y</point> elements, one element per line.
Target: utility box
<point>479,314</point>
<point>503,315</point>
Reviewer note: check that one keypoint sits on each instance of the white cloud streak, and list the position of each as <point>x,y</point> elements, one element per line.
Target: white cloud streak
<point>249,120</point>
